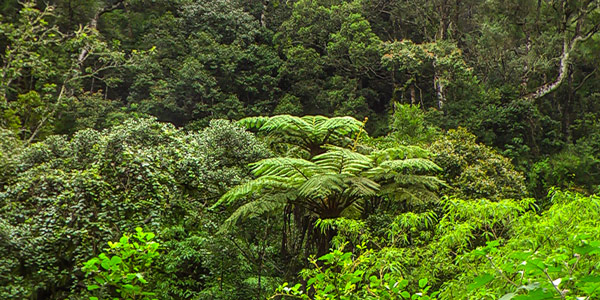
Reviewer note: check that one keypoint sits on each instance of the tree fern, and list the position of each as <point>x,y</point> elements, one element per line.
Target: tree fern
<point>329,178</point>
<point>400,152</point>
<point>322,186</point>
<point>403,166</point>
<point>339,179</point>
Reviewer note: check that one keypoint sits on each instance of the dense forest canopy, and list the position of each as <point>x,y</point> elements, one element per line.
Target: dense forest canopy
<point>307,149</point>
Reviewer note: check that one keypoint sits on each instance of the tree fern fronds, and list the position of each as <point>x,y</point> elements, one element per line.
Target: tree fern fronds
<point>342,161</point>
<point>430,182</point>
<point>400,152</point>
<point>257,186</point>
<point>340,126</point>
<point>253,122</point>
<point>314,120</point>
<point>322,186</point>
<point>310,130</point>
<point>253,209</point>
<point>419,165</point>
<point>359,187</point>
<point>284,166</point>
<point>286,123</point>
<point>413,195</point>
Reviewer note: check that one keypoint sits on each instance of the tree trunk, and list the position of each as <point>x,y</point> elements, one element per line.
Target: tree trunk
<point>263,13</point>
<point>566,112</point>
<point>562,72</point>
<point>569,46</point>
<point>439,87</point>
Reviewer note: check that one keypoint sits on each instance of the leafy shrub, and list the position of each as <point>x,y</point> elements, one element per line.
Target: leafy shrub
<point>345,276</point>
<point>409,126</point>
<point>474,170</point>
<point>576,167</point>
<point>552,255</point>
<point>72,195</point>
<point>122,270</point>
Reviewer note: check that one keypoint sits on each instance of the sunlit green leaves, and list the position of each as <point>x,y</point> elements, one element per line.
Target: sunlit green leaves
<point>123,266</point>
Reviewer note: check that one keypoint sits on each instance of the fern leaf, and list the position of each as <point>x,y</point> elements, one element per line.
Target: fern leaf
<point>253,209</point>
<point>362,187</point>
<point>283,166</point>
<point>253,122</point>
<point>257,186</point>
<point>400,152</point>
<point>322,186</point>
<point>339,126</point>
<point>287,124</point>
<point>407,165</point>
<point>342,161</point>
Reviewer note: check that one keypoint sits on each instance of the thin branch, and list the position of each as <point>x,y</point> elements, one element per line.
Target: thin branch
<point>562,295</point>
<point>500,271</point>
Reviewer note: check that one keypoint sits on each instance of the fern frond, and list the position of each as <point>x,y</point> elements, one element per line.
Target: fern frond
<point>311,130</point>
<point>359,187</point>
<point>253,209</point>
<point>429,182</point>
<point>253,123</point>
<point>284,166</point>
<point>419,165</point>
<point>340,126</point>
<point>322,186</point>
<point>257,186</point>
<point>287,124</point>
<point>400,152</point>
<point>414,195</point>
<point>342,161</point>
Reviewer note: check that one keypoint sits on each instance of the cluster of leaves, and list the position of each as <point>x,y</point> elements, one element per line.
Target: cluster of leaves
<point>123,267</point>
<point>343,275</point>
<point>552,255</point>
<point>475,170</point>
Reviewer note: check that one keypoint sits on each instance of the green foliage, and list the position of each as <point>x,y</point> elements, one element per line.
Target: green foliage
<point>46,68</point>
<point>330,55</point>
<point>9,147</point>
<point>71,195</point>
<point>333,181</point>
<point>343,275</point>
<point>212,60</point>
<point>409,127</point>
<point>327,185</point>
<point>551,255</point>
<point>474,170</point>
<point>575,167</point>
<point>306,136</point>
<point>123,268</point>
<point>408,61</point>
<point>521,75</point>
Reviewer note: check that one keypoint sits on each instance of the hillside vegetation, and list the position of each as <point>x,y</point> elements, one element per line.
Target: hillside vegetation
<point>300,149</point>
